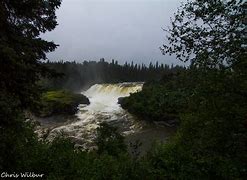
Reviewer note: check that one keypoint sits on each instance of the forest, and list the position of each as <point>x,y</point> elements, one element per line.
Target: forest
<point>208,99</point>
<point>76,76</point>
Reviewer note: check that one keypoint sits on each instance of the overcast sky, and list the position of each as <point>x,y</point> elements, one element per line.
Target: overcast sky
<point>124,30</point>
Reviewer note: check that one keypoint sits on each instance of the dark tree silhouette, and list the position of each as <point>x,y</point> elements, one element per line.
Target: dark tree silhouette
<point>21,48</point>
<point>209,33</point>
<point>81,75</point>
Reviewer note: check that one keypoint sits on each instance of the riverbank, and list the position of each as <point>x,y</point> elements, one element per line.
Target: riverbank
<point>59,102</point>
<point>158,102</point>
<point>145,134</point>
<point>82,126</point>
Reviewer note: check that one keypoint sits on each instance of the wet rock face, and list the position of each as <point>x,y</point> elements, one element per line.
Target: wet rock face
<point>82,99</point>
<point>120,100</point>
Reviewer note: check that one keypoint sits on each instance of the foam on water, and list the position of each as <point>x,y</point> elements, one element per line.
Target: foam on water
<point>104,97</point>
<point>103,107</point>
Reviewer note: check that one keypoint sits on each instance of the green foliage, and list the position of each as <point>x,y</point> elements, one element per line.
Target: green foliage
<point>59,102</point>
<point>21,49</point>
<point>19,147</point>
<point>110,141</point>
<point>211,140</point>
<point>209,33</point>
<point>82,75</point>
<point>160,101</point>
<point>60,160</point>
<point>209,99</point>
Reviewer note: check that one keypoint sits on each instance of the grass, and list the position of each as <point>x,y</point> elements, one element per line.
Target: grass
<point>59,102</point>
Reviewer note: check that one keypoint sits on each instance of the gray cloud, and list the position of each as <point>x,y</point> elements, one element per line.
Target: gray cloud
<point>124,30</point>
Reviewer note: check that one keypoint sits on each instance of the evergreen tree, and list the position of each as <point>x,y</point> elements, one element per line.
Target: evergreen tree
<point>21,48</point>
<point>21,53</point>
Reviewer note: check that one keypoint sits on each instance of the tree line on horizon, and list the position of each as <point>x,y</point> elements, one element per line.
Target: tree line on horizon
<point>210,142</point>
<point>76,76</point>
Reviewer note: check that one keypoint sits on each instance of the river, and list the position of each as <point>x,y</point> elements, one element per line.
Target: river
<point>104,108</point>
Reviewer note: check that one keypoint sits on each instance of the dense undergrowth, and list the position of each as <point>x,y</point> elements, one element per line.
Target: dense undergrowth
<point>209,99</point>
<point>162,100</point>
<point>60,160</point>
<point>211,138</point>
<point>210,142</point>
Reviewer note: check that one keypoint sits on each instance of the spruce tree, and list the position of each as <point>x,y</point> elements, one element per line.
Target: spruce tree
<point>21,48</point>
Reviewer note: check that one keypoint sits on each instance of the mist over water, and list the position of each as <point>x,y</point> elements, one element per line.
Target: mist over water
<point>103,108</point>
<point>104,97</point>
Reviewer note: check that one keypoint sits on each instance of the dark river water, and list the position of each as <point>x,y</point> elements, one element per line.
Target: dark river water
<point>104,108</point>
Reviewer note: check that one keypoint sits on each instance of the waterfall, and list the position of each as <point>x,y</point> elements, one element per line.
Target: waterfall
<point>104,97</point>
<point>103,108</point>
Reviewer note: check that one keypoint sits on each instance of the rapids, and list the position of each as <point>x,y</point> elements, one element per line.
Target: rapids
<point>103,107</point>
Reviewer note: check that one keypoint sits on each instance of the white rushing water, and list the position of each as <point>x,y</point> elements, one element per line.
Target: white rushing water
<point>103,107</point>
